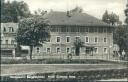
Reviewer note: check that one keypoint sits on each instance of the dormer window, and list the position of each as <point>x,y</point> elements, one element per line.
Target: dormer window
<point>11,29</point>
<point>4,29</point>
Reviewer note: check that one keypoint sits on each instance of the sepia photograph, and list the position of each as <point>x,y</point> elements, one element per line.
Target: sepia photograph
<point>64,41</point>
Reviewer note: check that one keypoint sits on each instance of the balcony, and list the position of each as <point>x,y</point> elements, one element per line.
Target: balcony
<point>8,46</point>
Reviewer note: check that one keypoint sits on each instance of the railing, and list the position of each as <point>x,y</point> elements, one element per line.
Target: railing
<point>6,46</point>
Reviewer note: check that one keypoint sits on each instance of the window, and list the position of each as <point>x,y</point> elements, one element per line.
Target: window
<point>86,39</point>
<point>100,30</point>
<point>38,50</point>
<point>87,29</point>
<point>96,40</point>
<point>68,50</point>
<point>6,41</point>
<point>10,29</point>
<point>58,50</point>
<point>105,30</point>
<point>12,41</point>
<point>96,50</point>
<point>91,29</point>
<point>1,41</point>
<point>87,51</point>
<point>48,50</point>
<point>77,37</point>
<point>48,40</point>
<point>67,39</point>
<point>95,29</point>
<point>4,29</point>
<point>58,39</point>
<point>105,39</point>
<point>105,50</point>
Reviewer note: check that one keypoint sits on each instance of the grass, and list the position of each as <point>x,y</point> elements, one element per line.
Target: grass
<point>56,61</point>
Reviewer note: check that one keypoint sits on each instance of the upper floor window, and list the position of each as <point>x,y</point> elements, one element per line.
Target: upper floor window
<point>86,39</point>
<point>96,40</point>
<point>58,39</point>
<point>1,41</point>
<point>11,29</point>
<point>58,50</point>
<point>6,41</point>
<point>12,41</point>
<point>105,39</point>
<point>87,29</point>
<point>67,39</point>
<point>105,30</point>
<point>4,29</point>
<point>48,40</point>
<point>100,30</point>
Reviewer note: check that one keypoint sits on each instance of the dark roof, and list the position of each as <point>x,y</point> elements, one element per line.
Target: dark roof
<point>83,19</point>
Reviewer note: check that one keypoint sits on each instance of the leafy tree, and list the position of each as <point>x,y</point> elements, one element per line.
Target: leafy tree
<point>113,18</point>
<point>32,32</point>
<point>121,38</point>
<point>13,11</point>
<point>126,14</point>
<point>77,45</point>
<point>39,12</point>
<point>110,18</point>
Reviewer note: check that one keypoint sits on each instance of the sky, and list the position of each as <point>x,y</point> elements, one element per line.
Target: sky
<point>92,7</point>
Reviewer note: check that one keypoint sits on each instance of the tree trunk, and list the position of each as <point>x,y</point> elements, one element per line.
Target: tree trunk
<point>31,49</point>
<point>77,51</point>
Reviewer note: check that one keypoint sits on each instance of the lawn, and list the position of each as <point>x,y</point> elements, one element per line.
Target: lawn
<point>21,69</point>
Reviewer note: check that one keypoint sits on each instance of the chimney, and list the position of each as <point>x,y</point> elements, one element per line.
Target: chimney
<point>68,13</point>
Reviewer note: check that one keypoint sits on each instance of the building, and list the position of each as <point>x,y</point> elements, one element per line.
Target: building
<point>8,43</point>
<point>66,27</point>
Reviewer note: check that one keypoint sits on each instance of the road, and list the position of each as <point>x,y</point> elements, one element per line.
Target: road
<point>21,69</point>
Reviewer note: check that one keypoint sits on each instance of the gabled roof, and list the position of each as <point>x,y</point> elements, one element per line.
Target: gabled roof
<point>82,19</point>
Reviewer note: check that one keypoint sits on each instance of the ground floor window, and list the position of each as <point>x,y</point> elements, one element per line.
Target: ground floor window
<point>6,53</point>
<point>38,50</point>
<point>68,50</point>
<point>96,50</point>
<point>87,51</point>
<point>105,50</point>
<point>48,50</point>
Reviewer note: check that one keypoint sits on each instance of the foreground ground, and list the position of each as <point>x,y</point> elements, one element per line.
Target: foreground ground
<point>21,69</point>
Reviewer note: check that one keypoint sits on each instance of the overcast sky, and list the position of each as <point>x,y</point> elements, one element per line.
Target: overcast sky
<point>92,7</point>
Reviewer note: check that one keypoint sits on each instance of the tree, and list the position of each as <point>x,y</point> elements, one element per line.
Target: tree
<point>110,18</point>
<point>77,45</point>
<point>113,18</point>
<point>32,32</point>
<point>121,38</point>
<point>105,17</point>
<point>13,11</point>
<point>126,14</point>
<point>39,12</point>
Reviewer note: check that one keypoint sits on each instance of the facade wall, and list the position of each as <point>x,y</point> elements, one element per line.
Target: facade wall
<point>63,45</point>
<point>8,43</point>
